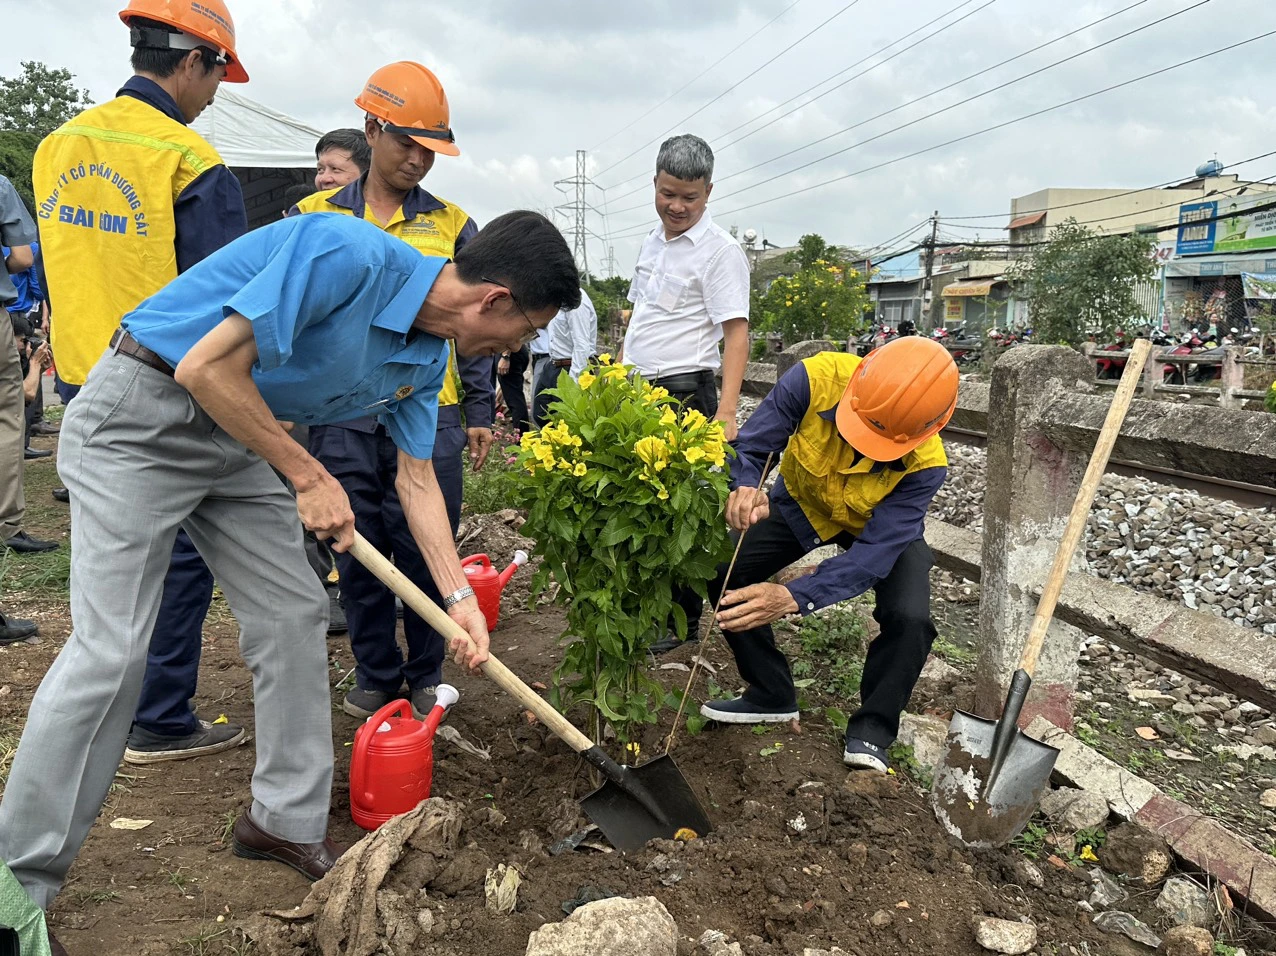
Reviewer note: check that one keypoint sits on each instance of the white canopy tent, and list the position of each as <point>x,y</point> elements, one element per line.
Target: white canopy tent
<point>268,151</point>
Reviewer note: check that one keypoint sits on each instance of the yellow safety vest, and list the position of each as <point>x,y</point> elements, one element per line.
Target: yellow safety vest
<point>105,186</point>
<point>432,233</point>
<point>834,491</point>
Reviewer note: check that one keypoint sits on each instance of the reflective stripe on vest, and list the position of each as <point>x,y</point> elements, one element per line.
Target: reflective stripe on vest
<point>105,185</point>
<point>836,492</point>
<point>431,233</point>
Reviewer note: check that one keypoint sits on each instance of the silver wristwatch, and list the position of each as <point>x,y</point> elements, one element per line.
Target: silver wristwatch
<point>460,594</point>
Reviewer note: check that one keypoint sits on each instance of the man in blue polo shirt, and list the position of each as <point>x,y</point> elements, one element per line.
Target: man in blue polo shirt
<point>313,319</point>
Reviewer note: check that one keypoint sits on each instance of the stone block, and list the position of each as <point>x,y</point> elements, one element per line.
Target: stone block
<point>618,927</point>
<point>802,350</point>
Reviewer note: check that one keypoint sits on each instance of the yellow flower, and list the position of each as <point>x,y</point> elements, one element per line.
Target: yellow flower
<point>604,359</point>
<point>661,465</point>
<point>662,495</point>
<point>693,455</point>
<point>657,393</point>
<point>693,418</point>
<point>669,417</point>
<point>564,465</point>
<point>586,379</point>
<point>651,450</point>
<point>580,469</point>
<point>715,451</point>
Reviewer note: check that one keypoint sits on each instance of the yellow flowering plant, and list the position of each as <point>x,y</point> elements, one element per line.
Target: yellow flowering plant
<point>625,491</point>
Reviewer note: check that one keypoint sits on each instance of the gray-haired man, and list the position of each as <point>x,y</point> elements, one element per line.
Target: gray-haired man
<point>691,294</point>
<point>690,290</point>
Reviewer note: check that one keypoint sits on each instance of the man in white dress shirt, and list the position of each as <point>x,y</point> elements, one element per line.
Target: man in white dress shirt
<point>690,293</point>
<point>570,339</point>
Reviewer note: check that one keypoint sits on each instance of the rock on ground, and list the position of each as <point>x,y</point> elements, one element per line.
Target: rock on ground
<point>618,927</point>
<point>928,736</point>
<point>1004,936</point>
<point>1187,941</point>
<point>1075,809</point>
<point>1136,853</point>
<point>1185,903</point>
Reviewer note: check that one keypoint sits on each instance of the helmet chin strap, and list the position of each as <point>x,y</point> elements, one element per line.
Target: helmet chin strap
<point>156,39</point>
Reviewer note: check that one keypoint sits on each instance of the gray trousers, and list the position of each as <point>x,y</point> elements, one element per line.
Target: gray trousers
<point>141,458</point>
<point>12,433</point>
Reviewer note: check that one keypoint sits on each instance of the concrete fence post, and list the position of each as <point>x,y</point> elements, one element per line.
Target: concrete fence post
<point>1030,488</point>
<point>1232,378</point>
<point>1153,373</point>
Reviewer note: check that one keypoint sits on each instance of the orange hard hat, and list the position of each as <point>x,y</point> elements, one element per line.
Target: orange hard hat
<point>898,396</point>
<point>408,99</point>
<point>207,21</point>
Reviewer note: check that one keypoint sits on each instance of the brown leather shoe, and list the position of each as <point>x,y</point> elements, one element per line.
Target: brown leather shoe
<point>56,948</point>
<point>311,860</point>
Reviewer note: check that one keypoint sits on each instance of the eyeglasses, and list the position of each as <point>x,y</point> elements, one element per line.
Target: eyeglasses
<point>532,331</point>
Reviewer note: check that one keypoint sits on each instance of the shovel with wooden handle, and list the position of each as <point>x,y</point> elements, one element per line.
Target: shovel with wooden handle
<point>634,804</point>
<point>991,775</point>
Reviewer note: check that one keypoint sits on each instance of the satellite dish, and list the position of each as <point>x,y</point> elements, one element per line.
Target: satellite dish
<point>750,236</point>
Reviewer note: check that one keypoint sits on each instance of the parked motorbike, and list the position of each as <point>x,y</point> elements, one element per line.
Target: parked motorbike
<point>1111,367</point>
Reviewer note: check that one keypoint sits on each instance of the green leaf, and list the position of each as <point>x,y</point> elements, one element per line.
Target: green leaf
<point>837,718</point>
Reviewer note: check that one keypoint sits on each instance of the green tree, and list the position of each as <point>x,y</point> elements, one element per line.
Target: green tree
<point>1079,283</point>
<point>811,249</point>
<point>823,301</point>
<point>17,151</point>
<point>40,99</point>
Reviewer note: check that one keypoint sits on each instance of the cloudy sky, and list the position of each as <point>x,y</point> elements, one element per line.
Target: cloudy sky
<point>532,82</point>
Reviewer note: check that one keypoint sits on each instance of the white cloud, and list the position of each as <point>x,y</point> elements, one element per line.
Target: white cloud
<point>530,83</point>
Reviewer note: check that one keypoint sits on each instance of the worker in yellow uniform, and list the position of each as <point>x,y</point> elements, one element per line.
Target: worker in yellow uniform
<point>128,197</point>
<point>407,124</point>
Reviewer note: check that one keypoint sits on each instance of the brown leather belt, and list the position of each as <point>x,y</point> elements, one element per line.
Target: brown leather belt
<point>125,344</point>
<point>562,363</point>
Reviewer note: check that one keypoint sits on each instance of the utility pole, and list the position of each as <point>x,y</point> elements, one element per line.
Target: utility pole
<point>927,298</point>
<point>577,210</point>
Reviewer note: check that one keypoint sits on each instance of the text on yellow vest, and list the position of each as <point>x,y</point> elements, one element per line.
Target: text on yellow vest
<point>431,233</point>
<point>836,492</point>
<point>105,185</point>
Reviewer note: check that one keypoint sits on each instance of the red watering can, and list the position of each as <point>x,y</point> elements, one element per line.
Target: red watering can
<point>393,760</point>
<point>488,583</point>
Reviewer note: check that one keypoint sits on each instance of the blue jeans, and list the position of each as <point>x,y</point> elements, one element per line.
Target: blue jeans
<point>366,464</point>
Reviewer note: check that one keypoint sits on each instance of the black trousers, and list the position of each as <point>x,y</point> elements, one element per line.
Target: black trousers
<point>704,399</point>
<point>895,659</point>
<point>366,464</point>
<point>512,388</point>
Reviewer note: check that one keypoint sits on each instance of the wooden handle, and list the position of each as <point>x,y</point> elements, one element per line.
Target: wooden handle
<point>1081,507</point>
<point>437,618</point>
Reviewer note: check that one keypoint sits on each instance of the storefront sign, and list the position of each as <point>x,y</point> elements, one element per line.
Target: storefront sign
<point>1228,224</point>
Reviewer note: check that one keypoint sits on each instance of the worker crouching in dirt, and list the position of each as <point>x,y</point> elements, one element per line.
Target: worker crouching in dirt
<point>311,319</point>
<point>862,461</point>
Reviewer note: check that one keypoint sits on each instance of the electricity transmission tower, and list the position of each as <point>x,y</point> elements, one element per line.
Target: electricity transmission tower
<point>577,211</point>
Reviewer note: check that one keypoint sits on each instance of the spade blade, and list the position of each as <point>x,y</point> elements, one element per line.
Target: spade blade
<point>628,824</point>
<point>977,806</point>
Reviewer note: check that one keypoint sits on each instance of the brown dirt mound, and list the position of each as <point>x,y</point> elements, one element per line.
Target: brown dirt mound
<point>803,854</point>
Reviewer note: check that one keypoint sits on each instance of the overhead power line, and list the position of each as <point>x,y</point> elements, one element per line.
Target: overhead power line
<point>1128,192</point>
<point>931,115</point>
<point>834,76</point>
<point>747,76</point>
<point>635,121</point>
<point>989,129</point>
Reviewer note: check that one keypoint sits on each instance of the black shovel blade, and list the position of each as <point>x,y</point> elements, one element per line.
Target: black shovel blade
<point>981,805</point>
<point>628,823</point>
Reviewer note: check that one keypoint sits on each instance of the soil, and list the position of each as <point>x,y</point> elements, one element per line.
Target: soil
<point>802,854</point>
